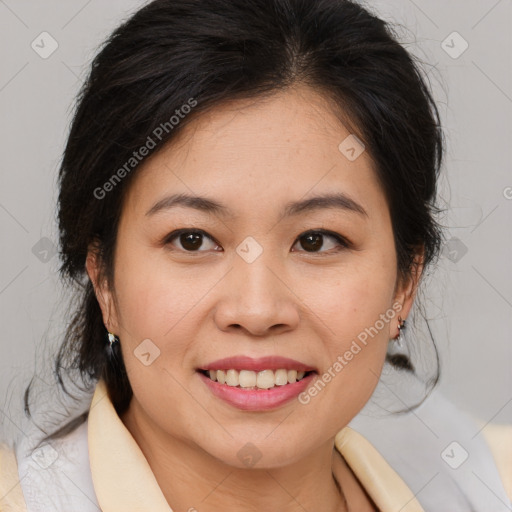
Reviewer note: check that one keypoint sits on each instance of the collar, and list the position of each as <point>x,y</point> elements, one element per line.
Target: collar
<point>123,479</point>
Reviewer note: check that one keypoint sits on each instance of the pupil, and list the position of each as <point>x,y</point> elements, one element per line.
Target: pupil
<point>314,241</point>
<point>191,241</point>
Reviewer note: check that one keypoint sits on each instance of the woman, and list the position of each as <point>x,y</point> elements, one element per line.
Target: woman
<point>247,200</point>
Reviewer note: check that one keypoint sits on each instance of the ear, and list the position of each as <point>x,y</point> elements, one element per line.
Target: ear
<point>104,296</point>
<point>406,290</point>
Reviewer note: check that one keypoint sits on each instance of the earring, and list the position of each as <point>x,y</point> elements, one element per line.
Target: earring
<point>112,338</point>
<point>401,326</point>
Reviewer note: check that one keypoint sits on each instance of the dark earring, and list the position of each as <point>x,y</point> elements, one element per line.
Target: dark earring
<point>401,326</point>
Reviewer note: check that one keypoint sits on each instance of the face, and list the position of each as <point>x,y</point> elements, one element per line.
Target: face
<point>257,277</point>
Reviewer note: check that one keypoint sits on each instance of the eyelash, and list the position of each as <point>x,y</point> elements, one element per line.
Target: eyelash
<point>343,242</point>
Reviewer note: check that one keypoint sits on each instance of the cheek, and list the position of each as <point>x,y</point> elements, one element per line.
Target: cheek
<point>154,301</point>
<point>352,299</point>
<point>356,314</point>
<point>355,336</point>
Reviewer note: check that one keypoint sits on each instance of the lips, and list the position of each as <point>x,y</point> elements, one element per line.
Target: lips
<point>258,365</point>
<point>256,384</point>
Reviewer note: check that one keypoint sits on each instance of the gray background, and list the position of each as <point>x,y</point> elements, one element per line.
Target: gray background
<point>469,297</point>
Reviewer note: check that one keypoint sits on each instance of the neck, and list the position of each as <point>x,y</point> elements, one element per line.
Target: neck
<point>193,480</point>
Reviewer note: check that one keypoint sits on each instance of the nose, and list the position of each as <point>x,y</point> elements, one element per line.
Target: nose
<point>257,299</point>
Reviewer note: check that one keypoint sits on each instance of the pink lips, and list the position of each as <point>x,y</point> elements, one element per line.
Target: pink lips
<point>258,365</point>
<point>257,399</point>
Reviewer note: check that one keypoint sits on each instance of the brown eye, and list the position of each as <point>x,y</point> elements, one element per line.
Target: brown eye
<point>313,241</point>
<point>189,240</point>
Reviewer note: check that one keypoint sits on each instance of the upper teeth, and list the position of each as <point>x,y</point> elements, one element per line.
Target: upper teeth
<point>265,379</point>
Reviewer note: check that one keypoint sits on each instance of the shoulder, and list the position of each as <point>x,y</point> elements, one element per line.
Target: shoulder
<point>385,487</point>
<point>499,439</point>
<point>441,452</point>
<point>54,475</point>
<point>11,495</point>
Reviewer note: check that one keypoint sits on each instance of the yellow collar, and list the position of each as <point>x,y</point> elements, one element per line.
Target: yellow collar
<point>123,479</point>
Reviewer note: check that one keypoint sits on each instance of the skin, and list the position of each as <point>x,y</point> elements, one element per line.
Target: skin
<point>198,306</point>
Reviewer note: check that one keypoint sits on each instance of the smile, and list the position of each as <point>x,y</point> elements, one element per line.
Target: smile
<point>256,384</point>
<point>250,380</point>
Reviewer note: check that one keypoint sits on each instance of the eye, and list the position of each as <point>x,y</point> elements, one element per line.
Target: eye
<point>313,240</point>
<point>190,239</point>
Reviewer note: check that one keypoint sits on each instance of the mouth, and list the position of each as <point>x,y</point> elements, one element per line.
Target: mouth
<point>260,384</point>
<point>251,380</point>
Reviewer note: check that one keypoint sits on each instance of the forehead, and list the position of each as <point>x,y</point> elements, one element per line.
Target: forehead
<point>260,152</point>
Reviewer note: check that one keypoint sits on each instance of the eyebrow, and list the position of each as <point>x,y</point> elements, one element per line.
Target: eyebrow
<point>339,201</point>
